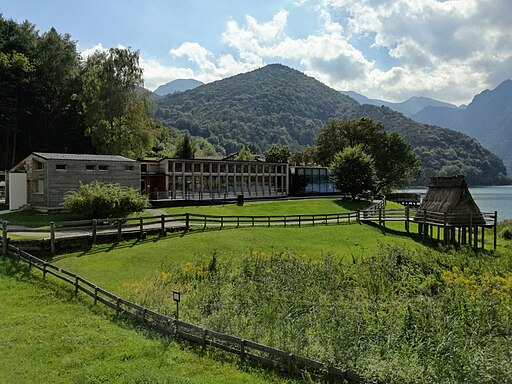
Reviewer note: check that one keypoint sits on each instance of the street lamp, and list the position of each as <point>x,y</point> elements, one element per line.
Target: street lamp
<point>176,297</point>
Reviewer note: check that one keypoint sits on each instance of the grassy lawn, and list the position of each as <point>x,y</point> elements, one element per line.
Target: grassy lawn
<point>117,267</point>
<point>277,207</point>
<point>47,337</point>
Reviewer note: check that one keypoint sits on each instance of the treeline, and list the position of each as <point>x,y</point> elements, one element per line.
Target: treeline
<point>54,100</point>
<point>280,105</point>
<point>39,78</point>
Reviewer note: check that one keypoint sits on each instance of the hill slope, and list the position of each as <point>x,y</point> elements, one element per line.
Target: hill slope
<point>488,118</point>
<point>277,104</point>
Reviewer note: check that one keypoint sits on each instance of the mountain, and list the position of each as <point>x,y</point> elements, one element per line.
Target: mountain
<point>277,104</point>
<point>488,118</point>
<point>409,107</point>
<point>179,85</point>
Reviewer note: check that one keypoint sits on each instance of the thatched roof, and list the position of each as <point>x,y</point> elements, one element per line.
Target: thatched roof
<point>450,196</point>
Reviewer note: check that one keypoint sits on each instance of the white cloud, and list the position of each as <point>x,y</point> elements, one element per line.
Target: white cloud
<point>445,49</point>
<point>390,49</point>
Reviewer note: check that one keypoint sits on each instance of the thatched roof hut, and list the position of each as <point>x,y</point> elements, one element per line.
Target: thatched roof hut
<point>448,198</point>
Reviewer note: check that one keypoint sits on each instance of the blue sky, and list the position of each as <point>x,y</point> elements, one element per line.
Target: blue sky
<point>389,49</point>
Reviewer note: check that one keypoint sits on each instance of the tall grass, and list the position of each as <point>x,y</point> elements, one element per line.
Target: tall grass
<point>399,316</point>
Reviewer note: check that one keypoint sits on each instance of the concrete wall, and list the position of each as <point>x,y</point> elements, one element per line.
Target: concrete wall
<point>17,190</point>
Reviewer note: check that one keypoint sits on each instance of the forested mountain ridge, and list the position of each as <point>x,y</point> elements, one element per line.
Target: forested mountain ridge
<point>277,104</point>
<point>488,118</point>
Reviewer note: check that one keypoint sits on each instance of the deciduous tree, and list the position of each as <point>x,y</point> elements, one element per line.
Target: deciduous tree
<point>353,171</point>
<point>115,108</point>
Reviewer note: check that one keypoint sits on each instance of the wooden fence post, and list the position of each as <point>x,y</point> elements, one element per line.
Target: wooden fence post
<point>495,227</point>
<point>76,285</point>
<point>187,221</point>
<point>119,229</point>
<point>445,240</point>
<point>4,238</point>
<point>162,224</point>
<point>94,228</point>
<point>358,217</point>
<point>407,218</point>
<point>470,229</point>
<point>242,350</point>
<point>141,227</point>
<point>380,217</point>
<point>52,238</point>
<point>269,221</point>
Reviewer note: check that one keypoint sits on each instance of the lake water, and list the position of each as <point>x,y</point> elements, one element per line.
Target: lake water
<point>488,199</point>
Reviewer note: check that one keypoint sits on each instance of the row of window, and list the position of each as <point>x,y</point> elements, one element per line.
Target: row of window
<point>225,168</point>
<point>93,167</point>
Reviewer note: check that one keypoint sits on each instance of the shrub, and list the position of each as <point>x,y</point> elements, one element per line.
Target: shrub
<point>98,200</point>
<point>506,233</point>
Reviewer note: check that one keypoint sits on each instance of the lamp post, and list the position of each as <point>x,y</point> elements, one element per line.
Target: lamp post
<point>176,297</point>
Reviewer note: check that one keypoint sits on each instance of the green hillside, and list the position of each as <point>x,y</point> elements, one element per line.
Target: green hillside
<point>277,104</point>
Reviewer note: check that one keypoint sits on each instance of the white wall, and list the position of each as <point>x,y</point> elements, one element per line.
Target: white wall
<point>17,190</point>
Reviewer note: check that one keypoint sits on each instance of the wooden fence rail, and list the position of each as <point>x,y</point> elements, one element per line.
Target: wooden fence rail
<point>247,350</point>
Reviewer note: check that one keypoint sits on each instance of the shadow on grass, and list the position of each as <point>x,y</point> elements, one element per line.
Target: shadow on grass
<point>352,205</point>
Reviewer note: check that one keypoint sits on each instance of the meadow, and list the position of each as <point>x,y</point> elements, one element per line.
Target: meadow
<point>376,301</point>
<point>48,336</point>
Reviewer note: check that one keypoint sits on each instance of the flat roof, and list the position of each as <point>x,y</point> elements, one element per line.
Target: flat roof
<point>81,156</point>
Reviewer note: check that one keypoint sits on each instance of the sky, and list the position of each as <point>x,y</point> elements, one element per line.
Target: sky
<point>448,50</point>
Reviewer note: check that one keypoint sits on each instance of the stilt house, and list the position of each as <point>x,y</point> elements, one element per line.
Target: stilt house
<point>448,204</point>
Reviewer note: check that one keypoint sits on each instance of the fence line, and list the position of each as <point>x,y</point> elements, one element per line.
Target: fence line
<point>93,229</point>
<point>248,351</point>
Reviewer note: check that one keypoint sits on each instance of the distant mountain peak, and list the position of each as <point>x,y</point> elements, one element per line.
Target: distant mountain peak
<point>178,85</point>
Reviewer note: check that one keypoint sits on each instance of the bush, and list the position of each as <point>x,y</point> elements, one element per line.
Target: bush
<point>506,233</point>
<point>97,200</point>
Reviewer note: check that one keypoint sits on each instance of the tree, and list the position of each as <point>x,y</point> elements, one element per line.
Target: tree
<point>115,109</point>
<point>305,156</point>
<point>353,171</point>
<point>277,154</point>
<point>395,162</point>
<point>185,147</point>
<point>336,135</point>
<point>244,154</point>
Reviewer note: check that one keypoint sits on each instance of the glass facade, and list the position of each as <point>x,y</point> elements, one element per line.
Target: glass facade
<point>310,181</point>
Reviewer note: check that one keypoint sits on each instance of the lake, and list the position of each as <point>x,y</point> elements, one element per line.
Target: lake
<point>489,199</point>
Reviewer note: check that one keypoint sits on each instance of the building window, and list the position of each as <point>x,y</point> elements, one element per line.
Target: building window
<point>61,167</point>
<point>38,186</point>
<point>129,168</point>
<point>103,167</point>
<point>144,168</point>
<point>90,167</point>
<point>37,165</point>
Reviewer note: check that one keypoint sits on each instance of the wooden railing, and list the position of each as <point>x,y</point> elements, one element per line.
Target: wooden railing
<point>247,350</point>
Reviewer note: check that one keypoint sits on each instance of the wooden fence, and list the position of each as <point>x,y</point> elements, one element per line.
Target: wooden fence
<point>248,351</point>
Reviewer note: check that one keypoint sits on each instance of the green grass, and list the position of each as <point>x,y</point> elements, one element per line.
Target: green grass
<point>277,207</point>
<point>49,337</point>
<point>117,267</point>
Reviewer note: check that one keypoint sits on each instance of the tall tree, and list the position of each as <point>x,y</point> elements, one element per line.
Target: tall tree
<point>185,147</point>
<point>353,171</point>
<point>395,162</point>
<point>336,135</point>
<point>115,109</point>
